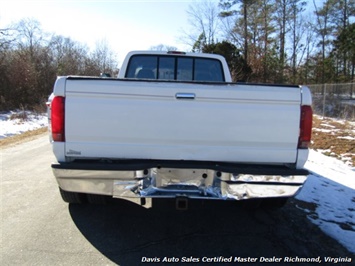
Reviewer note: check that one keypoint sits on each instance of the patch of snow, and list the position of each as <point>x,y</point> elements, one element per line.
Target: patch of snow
<point>331,187</point>
<point>326,125</point>
<point>330,168</point>
<point>10,127</point>
<point>347,158</point>
<point>347,138</point>
<point>325,130</point>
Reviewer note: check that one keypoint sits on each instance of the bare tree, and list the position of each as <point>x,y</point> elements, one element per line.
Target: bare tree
<point>203,19</point>
<point>6,38</point>
<point>324,29</point>
<point>103,58</point>
<point>29,35</point>
<point>298,28</point>
<point>253,31</point>
<point>30,60</point>
<point>235,20</point>
<point>68,56</point>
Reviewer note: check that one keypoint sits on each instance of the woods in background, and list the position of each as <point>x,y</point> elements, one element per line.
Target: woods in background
<point>279,41</point>
<point>31,60</point>
<point>269,41</point>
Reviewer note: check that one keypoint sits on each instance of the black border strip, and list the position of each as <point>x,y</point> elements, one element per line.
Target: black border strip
<point>181,81</point>
<point>135,165</point>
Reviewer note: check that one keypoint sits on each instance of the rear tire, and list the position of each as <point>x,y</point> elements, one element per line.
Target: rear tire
<point>97,199</point>
<point>72,197</point>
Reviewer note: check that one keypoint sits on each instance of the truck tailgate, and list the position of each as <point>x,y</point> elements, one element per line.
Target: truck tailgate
<point>125,119</point>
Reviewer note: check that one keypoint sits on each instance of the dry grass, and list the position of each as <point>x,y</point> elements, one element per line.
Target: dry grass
<point>16,139</point>
<point>328,136</point>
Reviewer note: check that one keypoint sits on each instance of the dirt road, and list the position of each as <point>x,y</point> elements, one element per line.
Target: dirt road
<point>38,228</point>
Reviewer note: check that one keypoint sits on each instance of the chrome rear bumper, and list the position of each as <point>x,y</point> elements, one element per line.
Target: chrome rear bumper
<point>169,182</point>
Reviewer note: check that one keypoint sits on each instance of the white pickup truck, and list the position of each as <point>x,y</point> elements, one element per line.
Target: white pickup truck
<point>173,125</point>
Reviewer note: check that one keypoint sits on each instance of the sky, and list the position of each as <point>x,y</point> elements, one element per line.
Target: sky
<point>125,24</point>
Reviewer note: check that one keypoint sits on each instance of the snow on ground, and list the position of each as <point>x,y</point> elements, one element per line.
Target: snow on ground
<point>11,123</point>
<point>329,191</point>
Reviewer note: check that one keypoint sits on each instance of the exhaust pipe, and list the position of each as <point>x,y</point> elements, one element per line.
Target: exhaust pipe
<point>181,203</point>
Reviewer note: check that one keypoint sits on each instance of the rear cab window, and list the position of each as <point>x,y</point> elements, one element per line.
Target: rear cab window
<point>168,67</point>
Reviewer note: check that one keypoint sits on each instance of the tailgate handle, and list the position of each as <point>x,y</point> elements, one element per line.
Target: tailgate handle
<point>185,96</point>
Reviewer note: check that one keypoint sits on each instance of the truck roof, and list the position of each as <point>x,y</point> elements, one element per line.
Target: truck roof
<point>176,53</point>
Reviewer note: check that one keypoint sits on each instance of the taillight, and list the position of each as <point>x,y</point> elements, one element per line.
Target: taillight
<point>57,118</point>
<point>305,127</point>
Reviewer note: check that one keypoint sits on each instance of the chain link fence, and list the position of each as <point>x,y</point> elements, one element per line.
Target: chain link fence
<point>334,100</point>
